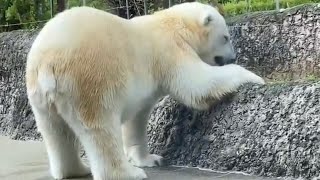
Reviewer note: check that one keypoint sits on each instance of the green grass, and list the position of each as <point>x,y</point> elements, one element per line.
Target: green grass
<point>241,7</point>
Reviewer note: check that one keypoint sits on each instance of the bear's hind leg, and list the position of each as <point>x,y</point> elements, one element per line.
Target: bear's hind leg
<point>61,144</point>
<point>104,148</point>
<point>135,141</point>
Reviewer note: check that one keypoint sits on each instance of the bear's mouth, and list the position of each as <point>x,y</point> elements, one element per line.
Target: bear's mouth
<point>219,60</point>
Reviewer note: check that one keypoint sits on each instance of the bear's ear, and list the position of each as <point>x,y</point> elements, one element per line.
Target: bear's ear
<point>207,19</point>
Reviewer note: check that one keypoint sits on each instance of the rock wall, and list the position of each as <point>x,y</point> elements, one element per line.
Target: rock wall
<point>279,45</point>
<point>270,130</point>
<point>16,118</point>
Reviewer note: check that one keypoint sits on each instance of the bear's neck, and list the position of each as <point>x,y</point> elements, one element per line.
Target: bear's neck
<point>161,39</point>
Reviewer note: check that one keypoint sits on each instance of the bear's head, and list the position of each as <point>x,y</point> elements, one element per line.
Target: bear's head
<point>204,29</point>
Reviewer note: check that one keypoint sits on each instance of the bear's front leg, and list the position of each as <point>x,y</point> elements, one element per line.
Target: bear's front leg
<point>198,85</point>
<point>135,141</point>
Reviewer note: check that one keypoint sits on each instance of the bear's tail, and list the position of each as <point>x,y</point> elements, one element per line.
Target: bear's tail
<point>47,82</point>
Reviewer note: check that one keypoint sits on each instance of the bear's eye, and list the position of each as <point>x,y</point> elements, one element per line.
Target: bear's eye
<point>207,20</point>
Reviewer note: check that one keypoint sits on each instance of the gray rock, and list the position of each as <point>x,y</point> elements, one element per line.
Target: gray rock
<point>16,118</point>
<point>270,131</point>
<point>279,45</point>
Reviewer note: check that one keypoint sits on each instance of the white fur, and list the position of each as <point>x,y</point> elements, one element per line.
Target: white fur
<point>122,75</point>
<point>197,79</point>
<point>61,142</point>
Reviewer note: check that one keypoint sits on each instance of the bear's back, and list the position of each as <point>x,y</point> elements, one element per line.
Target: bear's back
<point>78,25</point>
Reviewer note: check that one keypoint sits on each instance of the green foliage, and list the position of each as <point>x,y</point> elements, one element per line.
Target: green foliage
<point>99,4</point>
<point>237,7</point>
<point>17,14</point>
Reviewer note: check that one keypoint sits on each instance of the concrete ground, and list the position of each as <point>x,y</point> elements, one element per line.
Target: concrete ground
<point>27,160</point>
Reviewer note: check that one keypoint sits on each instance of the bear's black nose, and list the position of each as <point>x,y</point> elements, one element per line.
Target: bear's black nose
<point>219,60</point>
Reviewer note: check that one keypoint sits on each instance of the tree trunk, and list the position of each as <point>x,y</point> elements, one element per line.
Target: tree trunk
<point>61,5</point>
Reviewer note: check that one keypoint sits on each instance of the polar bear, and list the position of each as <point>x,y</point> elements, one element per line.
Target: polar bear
<point>93,78</point>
